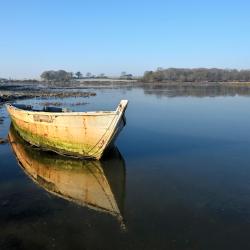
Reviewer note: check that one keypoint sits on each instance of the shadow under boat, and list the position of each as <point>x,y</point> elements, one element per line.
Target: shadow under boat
<point>99,185</point>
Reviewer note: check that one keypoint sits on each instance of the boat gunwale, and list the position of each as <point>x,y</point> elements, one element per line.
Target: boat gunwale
<point>88,113</point>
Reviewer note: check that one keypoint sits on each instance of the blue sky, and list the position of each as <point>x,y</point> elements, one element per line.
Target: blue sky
<point>114,36</point>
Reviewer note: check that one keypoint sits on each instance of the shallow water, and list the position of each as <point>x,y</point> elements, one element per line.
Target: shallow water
<point>184,181</point>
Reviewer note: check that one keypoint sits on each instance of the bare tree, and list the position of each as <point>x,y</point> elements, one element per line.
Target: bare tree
<point>78,74</point>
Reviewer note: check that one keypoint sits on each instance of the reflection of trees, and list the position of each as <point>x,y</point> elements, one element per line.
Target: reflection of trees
<point>196,75</point>
<point>199,91</point>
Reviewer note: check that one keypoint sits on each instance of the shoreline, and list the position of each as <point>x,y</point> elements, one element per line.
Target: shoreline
<point>121,82</point>
<point>10,92</point>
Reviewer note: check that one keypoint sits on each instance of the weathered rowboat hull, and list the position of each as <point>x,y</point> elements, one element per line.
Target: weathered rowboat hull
<point>99,185</point>
<point>80,134</point>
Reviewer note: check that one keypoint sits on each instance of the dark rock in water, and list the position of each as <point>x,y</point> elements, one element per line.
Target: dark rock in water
<point>2,140</point>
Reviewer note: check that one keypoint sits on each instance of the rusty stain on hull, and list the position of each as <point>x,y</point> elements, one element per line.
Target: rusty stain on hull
<point>87,183</point>
<point>81,134</point>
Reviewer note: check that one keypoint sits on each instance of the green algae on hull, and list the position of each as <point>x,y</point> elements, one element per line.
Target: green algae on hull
<point>78,134</point>
<point>55,145</point>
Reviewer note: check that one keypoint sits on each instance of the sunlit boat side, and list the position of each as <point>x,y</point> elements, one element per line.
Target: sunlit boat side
<point>80,134</point>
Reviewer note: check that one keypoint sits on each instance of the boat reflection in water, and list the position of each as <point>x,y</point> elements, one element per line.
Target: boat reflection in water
<point>99,185</point>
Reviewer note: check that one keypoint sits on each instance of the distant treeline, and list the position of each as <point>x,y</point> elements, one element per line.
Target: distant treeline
<point>196,75</point>
<point>56,75</point>
<point>64,76</point>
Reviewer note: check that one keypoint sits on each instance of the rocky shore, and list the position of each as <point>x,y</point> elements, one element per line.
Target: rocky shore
<point>17,92</point>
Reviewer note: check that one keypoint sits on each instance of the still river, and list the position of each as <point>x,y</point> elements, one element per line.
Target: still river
<point>178,179</point>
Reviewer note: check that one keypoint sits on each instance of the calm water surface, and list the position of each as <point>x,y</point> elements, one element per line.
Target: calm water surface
<point>181,181</point>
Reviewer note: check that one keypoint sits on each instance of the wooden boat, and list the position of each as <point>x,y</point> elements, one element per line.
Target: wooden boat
<point>99,185</point>
<point>80,134</point>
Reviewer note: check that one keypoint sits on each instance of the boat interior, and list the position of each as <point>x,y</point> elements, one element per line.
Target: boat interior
<point>44,109</point>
